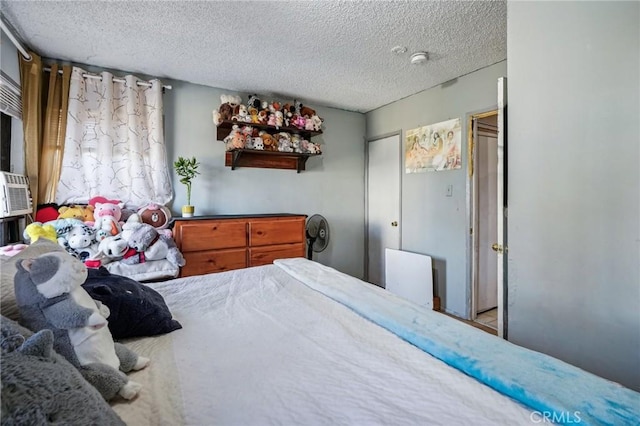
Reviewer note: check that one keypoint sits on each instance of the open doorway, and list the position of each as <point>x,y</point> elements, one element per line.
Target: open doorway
<point>485,216</point>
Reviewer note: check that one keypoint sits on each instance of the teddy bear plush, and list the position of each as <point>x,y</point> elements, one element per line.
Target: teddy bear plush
<point>49,295</point>
<point>232,100</point>
<point>145,238</point>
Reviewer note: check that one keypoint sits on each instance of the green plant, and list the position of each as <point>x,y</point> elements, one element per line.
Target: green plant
<point>187,169</point>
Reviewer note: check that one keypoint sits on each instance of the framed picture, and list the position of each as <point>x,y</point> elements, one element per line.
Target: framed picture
<point>434,148</point>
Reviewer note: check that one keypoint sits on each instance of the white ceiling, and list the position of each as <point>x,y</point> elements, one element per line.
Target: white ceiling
<point>331,53</point>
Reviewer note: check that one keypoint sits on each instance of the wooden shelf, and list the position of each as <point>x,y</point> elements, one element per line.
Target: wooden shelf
<point>266,159</point>
<point>225,128</point>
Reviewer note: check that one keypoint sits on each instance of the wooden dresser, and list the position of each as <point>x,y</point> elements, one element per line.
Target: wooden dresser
<point>221,243</point>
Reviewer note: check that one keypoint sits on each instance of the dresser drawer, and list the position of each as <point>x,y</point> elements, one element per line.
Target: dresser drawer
<point>263,233</point>
<point>204,262</point>
<point>210,235</point>
<point>266,255</point>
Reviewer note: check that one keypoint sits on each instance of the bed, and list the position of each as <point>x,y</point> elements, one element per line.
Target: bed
<point>297,342</point>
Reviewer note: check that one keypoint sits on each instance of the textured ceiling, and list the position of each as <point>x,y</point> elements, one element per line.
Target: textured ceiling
<point>330,53</point>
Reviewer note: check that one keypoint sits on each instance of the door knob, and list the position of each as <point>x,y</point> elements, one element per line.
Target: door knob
<point>394,223</point>
<point>496,247</point>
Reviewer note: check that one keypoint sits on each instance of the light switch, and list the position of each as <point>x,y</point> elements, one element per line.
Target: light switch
<point>449,190</point>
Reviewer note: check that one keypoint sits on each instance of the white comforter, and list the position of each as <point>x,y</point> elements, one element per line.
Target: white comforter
<point>258,347</point>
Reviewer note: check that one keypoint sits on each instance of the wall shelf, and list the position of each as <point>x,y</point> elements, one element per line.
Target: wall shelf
<point>266,159</point>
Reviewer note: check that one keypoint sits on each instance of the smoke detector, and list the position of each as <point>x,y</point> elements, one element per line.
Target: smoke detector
<point>399,50</point>
<point>419,58</point>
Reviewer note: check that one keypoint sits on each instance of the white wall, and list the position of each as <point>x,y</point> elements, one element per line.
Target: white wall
<point>574,183</point>
<point>433,223</point>
<point>332,184</point>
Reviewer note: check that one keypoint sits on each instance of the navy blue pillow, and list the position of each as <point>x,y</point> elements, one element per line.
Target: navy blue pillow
<point>136,310</point>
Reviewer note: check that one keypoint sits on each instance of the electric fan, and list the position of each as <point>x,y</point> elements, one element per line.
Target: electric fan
<point>317,230</point>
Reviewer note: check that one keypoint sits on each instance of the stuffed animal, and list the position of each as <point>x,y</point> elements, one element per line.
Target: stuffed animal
<point>284,142</point>
<point>236,139</point>
<point>132,223</point>
<point>279,119</point>
<point>83,213</point>
<point>224,112</point>
<point>287,113</point>
<point>232,100</point>
<point>80,242</point>
<point>296,142</point>
<point>107,216</point>
<point>298,121</point>
<point>47,212</point>
<point>258,144</point>
<point>115,247</point>
<point>146,238</point>
<point>155,215</point>
<point>254,102</point>
<point>63,226</point>
<point>307,112</point>
<point>316,123</point>
<point>269,142</point>
<point>240,113</point>
<point>12,249</point>
<point>40,387</point>
<point>49,295</point>
<point>34,231</point>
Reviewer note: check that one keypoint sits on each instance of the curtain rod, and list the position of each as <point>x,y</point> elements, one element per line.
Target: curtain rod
<point>117,80</point>
<point>7,30</point>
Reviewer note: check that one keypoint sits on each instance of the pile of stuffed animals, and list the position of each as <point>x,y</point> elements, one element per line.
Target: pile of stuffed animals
<point>104,231</point>
<point>256,111</point>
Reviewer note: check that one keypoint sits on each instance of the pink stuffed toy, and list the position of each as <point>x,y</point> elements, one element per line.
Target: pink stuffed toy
<point>107,216</point>
<point>12,250</point>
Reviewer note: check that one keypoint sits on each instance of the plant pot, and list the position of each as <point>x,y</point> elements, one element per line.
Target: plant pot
<point>187,211</point>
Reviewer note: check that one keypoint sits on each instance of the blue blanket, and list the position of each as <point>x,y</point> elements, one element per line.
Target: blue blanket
<point>554,390</point>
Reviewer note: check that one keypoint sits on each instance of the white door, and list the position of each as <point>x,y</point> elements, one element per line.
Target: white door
<point>383,204</point>
<point>487,218</point>
<point>501,241</point>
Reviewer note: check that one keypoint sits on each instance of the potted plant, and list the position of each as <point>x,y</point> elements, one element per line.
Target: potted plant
<point>187,169</point>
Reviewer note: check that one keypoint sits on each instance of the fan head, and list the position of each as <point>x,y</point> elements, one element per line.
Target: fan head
<point>317,230</point>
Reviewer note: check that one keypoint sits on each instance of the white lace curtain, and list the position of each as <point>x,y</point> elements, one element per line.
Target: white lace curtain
<point>114,144</point>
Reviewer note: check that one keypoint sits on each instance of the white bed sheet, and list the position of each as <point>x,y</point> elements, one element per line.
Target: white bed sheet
<point>258,347</point>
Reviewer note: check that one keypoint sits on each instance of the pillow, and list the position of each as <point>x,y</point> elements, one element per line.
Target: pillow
<point>40,387</point>
<point>136,310</point>
<point>8,306</point>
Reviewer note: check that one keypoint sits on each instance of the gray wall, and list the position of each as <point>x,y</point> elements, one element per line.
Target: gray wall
<point>332,185</point>
<point>574,183</point>
<point>432,223</point>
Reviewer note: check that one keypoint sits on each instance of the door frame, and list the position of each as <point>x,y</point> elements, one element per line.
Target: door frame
<point>471,237</point>
<point>473,134</point>
<point>397,133</point>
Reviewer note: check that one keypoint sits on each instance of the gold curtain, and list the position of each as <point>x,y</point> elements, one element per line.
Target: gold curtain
<point>44,121</point>
<point>55,125</point>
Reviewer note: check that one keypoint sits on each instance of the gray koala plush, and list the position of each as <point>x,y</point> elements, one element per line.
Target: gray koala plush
<point>145,238</point>
<point>40,387</point>
<point>49,295</point>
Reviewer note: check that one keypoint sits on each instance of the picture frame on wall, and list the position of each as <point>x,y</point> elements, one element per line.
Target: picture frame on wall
<point>435,147</point>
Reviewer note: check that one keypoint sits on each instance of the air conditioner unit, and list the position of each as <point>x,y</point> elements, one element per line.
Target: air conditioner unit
<point>14,195</point>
